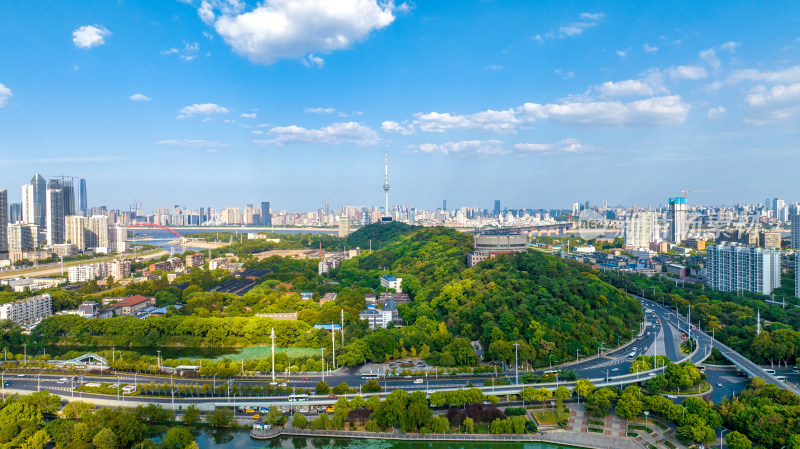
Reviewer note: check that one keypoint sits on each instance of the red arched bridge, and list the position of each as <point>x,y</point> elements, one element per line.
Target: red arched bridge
<point>153,225</point>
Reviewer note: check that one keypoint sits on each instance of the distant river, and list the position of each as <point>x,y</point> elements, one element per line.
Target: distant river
<point>239,439</point>
<point>160,237</point>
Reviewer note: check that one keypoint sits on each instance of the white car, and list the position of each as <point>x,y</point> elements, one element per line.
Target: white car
<point>63,380</point>
<point>652,374</point>
<point>303,410</point>
<point>20,375</point>
<point>719,384</point>
<point>672,396</point>
<point>282,384</point>
<point>615,369</point>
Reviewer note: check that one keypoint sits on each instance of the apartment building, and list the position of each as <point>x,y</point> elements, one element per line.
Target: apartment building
<point>735,267</point>
<point>28,311</point>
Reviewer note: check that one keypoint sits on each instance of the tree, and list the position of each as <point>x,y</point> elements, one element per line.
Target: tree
<point>178,438</point>
<point>584,387</point>
<point>299,421</point>
<point>322,388</point>
<point>629,405</point>
<point>736,440</point>
<point>191,415</point>
<point>562,393</point>
<point>469,425</point>
<point>105,439</point>
<point>600,401</point>
<point>37,441</point>
<point>371,386</point>
<point>221,417</point>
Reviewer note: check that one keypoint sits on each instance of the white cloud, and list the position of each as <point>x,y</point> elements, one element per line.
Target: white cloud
<point>251,115</point>
<point>565,146</point>
<point>89,36</point>
<point>465,148</point>
<point>646,47</point>
<point>313,61</point>
<point>394,127</point>
<point>655,111</point>
<point>612,89</point>
<point>592,16</point>
<point>292,29</point>
<point>776,103</point>
<point>623,53</point>
<point>687,72</point>
<point>257,132</point>
<point>139,97</point>
<point>199,143</point>
<point>334,134</point>
<point>493,67</point>
<point>319,110</point>
<point>714,113</point>
<point>5,94</point>
<point>731,46</point>
<point>565,75</point>
<point>710,57</point>
<point>489,121</point>
<point>189,52</point>
<point>789,75</point>
<point>202,109</point>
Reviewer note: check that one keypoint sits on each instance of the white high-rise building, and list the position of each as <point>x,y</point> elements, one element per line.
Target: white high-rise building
<point>797,274</point>
<point>678,216</point>
<point>118,239</point>
<point>734,267</point>
<point>75,231</point>
<point>28,204</point>
<point>22,237</point>
<point>97,231</point>
<point>640,230</point>
<point>777,205</point>
<point>3,220</point>
<point>54,206</point>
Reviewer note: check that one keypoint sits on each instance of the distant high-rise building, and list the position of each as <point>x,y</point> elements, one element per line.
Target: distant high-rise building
<point>28,204</point>
<point>733,268</point>
<point>344,227</point>
<point>678,216</point>
<point>640,230</point>
<point>67,193</point>
<point>444,205</point>
<point>84,203</point>
<point>496,208</point>
<point>75,227</point>
<point>54,206</point>
<point>97,232</point>
<point>39,200</point>
<point>3,220</point>
<point>15,212</point>
<point>266,214</point>
<point>796,232</point>
<point>22,237</point>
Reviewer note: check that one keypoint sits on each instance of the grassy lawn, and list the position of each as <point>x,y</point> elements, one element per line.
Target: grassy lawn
<point>593,430</point>
<point>550,417</point>
<point>638,427</point>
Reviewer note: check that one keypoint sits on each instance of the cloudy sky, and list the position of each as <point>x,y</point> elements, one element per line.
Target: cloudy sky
<point>538,104</point>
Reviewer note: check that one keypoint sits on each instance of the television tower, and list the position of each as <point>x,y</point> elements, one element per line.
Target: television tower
<point>386,185</point>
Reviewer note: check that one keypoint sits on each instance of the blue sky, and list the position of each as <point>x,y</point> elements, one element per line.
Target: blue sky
<point>538,104</point>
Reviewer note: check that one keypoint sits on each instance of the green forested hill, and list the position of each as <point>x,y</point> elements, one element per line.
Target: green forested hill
<point>549,306</point>
<point>380,234</point>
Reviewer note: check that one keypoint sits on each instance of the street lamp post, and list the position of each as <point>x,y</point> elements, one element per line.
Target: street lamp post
<point>172,390</point>
<point>516,366</point>
<point>322,363</point>
<point>645,416</point>
<point>38,381</point>
<point>721,439</point>
<point>3,380</point>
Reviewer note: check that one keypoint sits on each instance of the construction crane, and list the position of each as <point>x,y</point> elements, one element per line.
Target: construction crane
<point>687,192</point>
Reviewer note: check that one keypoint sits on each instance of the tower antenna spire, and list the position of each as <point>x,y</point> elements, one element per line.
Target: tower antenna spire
<point>386,185</point>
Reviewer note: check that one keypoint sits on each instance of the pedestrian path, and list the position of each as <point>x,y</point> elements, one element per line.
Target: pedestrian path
<point>612,426</point>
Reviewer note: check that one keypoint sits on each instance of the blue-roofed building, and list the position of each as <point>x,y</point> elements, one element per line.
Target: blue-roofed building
<point>392,282</point>
<point>328,327</point>
<point>306,296</point>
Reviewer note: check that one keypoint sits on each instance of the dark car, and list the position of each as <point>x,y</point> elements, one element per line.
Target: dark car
<point>7,383</point>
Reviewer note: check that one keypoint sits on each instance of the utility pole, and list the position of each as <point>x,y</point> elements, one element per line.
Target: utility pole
<point>342,327</point>
<point>333,345</point>
<point>322,364</point>
<point>516,358</point>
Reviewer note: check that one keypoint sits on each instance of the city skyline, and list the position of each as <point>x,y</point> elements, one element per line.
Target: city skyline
<point>167,103</point>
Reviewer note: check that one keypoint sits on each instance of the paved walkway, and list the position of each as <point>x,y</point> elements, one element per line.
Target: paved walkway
<point>615,427</point>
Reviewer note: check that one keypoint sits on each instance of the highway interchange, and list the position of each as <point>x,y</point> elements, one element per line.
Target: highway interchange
<point>661,335</point>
